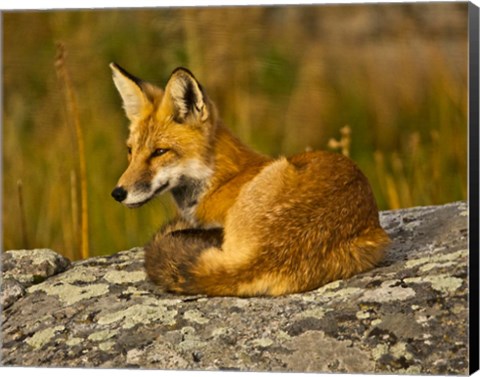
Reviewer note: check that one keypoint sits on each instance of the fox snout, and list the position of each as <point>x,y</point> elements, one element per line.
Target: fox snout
<point>138,194</point>
<point>134,197</point>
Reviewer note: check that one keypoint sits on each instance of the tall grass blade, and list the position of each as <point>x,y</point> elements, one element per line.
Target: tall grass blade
<point>73,115</point>
<point>23,222</point>
<point>74,207</point>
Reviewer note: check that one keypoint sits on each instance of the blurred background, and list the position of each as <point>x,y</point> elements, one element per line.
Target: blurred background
<point>386,83</point>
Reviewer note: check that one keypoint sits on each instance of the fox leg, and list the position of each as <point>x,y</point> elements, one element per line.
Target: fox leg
<point>173,252</point>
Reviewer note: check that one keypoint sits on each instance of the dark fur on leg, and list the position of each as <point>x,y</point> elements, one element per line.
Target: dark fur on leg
<point>172,252</point>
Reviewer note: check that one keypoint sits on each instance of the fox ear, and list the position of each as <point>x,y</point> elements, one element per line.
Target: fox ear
<point>130,89</point>
<point>186,96</point>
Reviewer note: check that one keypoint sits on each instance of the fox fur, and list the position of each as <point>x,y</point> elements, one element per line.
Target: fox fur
<point>248,225</point>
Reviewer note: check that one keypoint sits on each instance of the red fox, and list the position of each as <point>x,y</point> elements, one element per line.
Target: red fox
<point>248,225</point>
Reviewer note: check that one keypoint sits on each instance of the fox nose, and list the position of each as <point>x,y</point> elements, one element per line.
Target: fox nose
<point>119,194</point>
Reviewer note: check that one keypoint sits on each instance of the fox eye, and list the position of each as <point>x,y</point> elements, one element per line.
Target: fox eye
<point>158,152</point>
<point>129,150</point>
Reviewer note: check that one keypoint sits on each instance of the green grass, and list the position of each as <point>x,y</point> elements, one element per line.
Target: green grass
<point>283,78</point>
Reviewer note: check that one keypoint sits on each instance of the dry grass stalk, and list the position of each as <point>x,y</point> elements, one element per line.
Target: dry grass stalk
<point>23,222</point>
<point>344,143</point>
<point>73,115</point>
<point>74,207</point>
<point>393,196</point>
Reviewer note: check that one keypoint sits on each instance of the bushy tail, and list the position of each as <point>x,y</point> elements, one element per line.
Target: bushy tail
<point>173,252</point>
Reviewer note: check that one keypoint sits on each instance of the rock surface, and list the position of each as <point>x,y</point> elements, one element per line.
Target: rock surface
<point>23,268</point>
<point>410,315</point>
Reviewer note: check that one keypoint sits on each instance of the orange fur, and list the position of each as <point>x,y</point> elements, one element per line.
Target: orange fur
<point>248,225</point>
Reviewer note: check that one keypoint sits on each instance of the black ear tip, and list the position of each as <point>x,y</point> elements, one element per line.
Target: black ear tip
<point>184,70</point>
<point>118,67</point>
<point>125,73</point>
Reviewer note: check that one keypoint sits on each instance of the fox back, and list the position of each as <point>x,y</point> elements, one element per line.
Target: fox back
<point>248,225</point>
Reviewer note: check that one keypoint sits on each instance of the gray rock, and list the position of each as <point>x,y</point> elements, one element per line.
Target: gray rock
<point>409,315</point>
<point>23,268</point>
<point>12,290</point>
<point>32,266</point>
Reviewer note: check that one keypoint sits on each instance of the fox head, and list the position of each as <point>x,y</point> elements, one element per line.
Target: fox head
<point>171,131</point>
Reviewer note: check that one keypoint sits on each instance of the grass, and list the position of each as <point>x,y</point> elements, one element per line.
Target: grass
<point>284,79</point>
<point>74,120</point>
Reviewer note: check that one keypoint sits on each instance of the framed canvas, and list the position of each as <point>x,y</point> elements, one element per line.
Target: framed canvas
<point>322,168</point>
